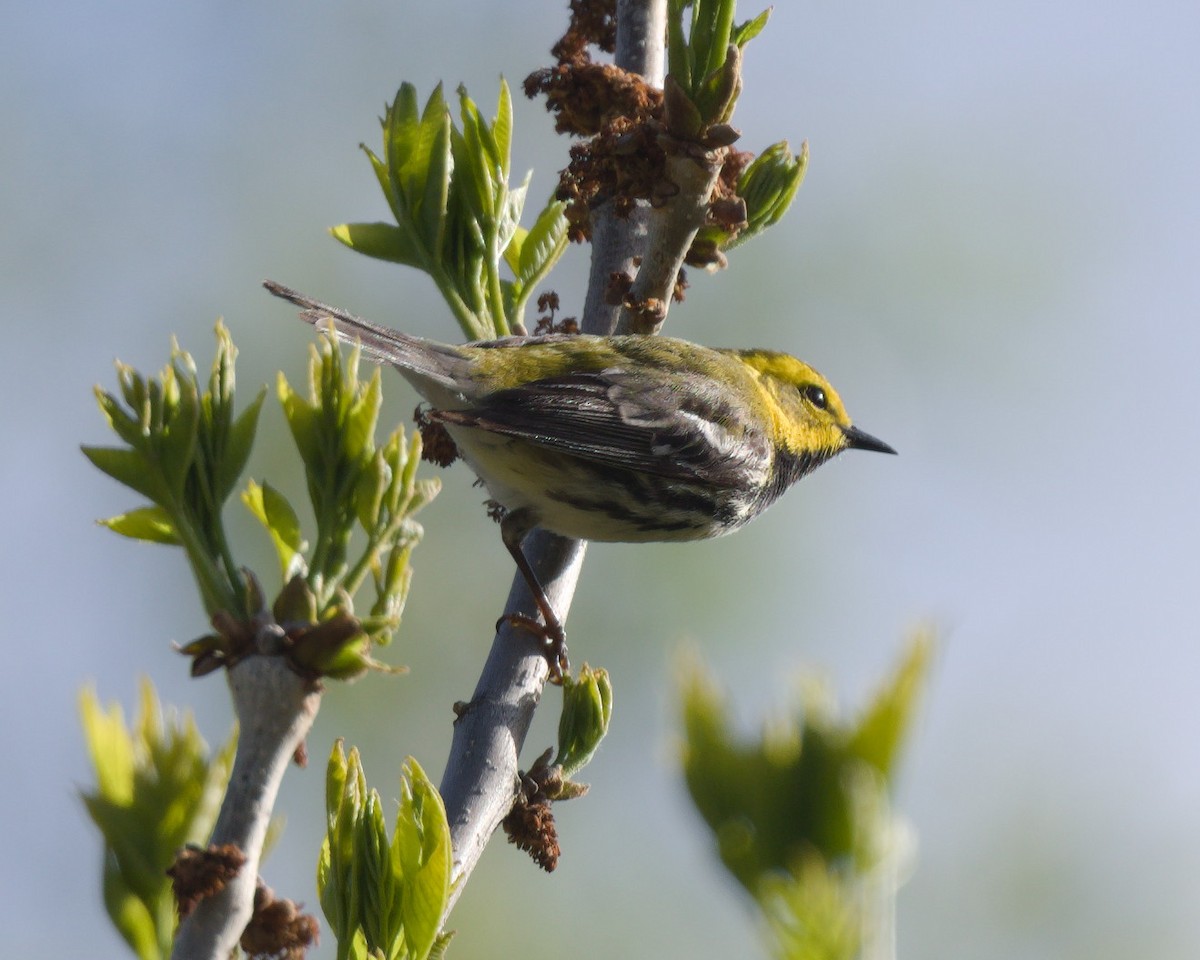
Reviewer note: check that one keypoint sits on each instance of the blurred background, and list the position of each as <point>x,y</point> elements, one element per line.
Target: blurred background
<point>994,258</point>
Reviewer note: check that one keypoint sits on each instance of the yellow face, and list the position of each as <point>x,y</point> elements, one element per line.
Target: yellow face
<point>806,413</point>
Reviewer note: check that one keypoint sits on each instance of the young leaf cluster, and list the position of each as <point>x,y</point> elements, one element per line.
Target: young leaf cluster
<point>354,486</point>
<point>383,898</point>
<point>768,186</point>
<point>157,789</point>
<point>701,92</point>
<point>704,75</point>
<point>802,819</point>
<point>184,451</point>
<point>457,218</point>
<point>583,723</point>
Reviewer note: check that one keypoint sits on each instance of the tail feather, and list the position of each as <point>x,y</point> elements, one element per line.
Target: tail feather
<point>377,342</point>
<point>427,359</point>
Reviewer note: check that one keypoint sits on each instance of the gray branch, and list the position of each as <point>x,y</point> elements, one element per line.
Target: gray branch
<point>480,781</point>
<point>617,243</point>
<point>275,709</point>
<point>669,235</point>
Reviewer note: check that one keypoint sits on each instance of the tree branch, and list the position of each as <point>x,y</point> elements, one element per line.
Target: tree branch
<point>275,708</point>
<point>669,235</point>
<point>617,243</point>
<point>480,781</point>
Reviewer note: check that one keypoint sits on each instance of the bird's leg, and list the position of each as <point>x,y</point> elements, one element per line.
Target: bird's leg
<point>513,528</point>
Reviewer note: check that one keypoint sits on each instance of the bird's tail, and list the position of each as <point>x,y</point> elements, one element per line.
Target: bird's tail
<point>426,358</point>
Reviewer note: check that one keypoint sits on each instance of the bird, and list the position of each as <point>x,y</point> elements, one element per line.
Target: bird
<point>620,438</point>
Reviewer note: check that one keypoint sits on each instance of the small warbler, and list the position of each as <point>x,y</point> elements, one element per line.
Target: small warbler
<point>619,438</point>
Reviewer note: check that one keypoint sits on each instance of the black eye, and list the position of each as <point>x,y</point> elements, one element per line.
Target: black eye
<point>816,396</point>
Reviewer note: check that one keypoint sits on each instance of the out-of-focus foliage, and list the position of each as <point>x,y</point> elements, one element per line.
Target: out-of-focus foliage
<point>801,818</point>
<point>158,787</point>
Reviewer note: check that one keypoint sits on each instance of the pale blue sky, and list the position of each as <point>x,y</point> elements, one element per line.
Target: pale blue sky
<point>994,258</point>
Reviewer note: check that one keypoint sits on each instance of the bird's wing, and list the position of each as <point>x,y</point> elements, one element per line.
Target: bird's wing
<point>672,428</point>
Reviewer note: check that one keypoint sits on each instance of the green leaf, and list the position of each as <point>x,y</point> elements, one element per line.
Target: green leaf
<point>372,862</point>
<point>472,182</point>
<point>237,447</point>
<point>337,886</point>
<point>745,32</point>
<point>272,509</point>
<point>484,154</point>
<point>391,595</point>
<point>336,773</point>
<point>883,726</point>
<point>130,915</point>
<point>109,747</point>
<point>512,252</point>
<point>769,185</point>
<point>145,523</point>
<point>404,149</point>
<point>130,468</point>
<point>403,123</point>
<point>124,423</point>
<point>358,428</point>
<point>720,89</point>
<point>544,244</point>
<point>680,62</point>
<point>509,220</point>
<point>583,723</point>
<point>172,445</point>
<point>300,416</point>
<point>392,192</point>
<point>383,241</point>
<point>346,662</point>
<point>434,175</point>
<point>502,129</point>
<point>421,846</point>
<point>368,495</point>
<point>186,451</point>
<point>446,181</point>
<point>714,40</point>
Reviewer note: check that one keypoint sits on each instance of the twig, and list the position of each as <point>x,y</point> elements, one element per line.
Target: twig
<point>275,708</point>
<point>480,781</point>
<point>617,243</point>
<point>670,232</point>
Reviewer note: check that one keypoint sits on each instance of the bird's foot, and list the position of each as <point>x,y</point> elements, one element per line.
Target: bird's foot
<point>552,635</point>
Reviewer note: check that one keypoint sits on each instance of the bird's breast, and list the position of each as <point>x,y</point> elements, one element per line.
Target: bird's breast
<point>576,497</point>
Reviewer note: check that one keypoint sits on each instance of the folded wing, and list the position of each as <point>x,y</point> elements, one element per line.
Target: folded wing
<point>671,429</point>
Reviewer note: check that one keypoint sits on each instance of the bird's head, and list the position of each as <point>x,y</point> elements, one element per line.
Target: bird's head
<point>806,414</point>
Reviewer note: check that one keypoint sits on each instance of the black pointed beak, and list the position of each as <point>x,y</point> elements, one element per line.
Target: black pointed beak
<point>858,440</point>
